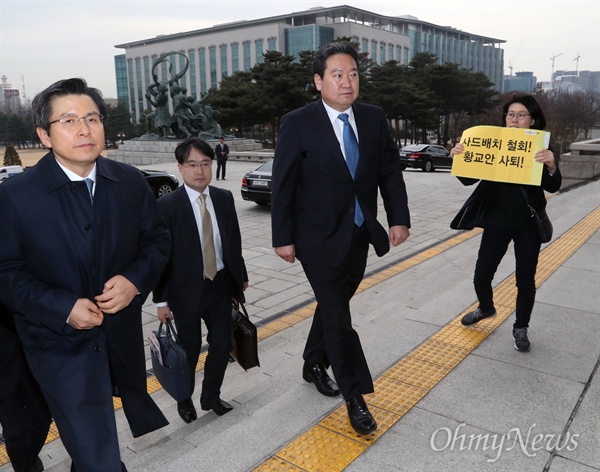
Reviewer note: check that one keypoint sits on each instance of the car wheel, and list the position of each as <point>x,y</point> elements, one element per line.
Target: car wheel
<point>428,166</point>
<point>163,190</point>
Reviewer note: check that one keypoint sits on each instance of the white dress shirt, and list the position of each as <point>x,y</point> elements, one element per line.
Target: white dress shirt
<point>338,125</point>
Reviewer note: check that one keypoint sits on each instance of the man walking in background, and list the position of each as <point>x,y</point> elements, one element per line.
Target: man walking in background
<point>221,151</point>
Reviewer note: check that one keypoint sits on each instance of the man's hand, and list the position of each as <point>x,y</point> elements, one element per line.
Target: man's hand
<point>117,294</point>
<point>398,234</point>
<point>287,253</point>
<point>85,315</point>
<point>164,312</point>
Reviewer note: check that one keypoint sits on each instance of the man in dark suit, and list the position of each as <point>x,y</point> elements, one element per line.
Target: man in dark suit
<point>324,212</point>
<point>86,244</point>
<point>24,413</point>
<point>205,271</point>
<point>221,151</point>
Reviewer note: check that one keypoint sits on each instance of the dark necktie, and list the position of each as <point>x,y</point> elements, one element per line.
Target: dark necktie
<point>351,152</point>
<point>90,186</point>
<point>208,245</point>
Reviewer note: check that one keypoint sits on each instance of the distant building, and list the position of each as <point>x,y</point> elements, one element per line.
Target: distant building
<point>571,81</point>
<point>520,82</point>
<point>222,50</point>
<point>9,96</point>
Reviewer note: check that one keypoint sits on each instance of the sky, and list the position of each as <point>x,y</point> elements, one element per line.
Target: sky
<point>42,41</point>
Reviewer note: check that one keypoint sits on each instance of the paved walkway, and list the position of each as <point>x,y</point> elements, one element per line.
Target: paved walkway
<point>489,408</point>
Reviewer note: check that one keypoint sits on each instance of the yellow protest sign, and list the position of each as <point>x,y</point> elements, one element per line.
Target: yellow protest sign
<point>501,154</point>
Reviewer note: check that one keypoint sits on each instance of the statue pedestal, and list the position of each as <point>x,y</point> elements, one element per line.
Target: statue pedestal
<point>141,152</point>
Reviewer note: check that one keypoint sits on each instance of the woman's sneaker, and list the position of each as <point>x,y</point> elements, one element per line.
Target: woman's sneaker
<point>521,340</point>
<point>476,316</point>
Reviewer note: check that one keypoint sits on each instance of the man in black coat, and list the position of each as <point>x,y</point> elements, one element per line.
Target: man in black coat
<point>205,271</point>
<point>85,247</point>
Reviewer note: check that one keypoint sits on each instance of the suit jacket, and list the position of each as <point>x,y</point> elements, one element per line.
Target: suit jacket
<point>222,151</point>
<point>60,248</point>
<point>313,191</point>
<point>183,274</point>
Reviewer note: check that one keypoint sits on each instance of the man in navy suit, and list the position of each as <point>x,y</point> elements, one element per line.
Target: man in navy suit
<point>331,158</point>
<point>85,245</point>
<point>198,285</point>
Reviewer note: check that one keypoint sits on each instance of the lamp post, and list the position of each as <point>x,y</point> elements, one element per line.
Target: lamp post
<point>121,135</point>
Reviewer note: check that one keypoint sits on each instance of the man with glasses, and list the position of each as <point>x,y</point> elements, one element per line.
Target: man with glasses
<point>205,271</point>
<point>85,245</point>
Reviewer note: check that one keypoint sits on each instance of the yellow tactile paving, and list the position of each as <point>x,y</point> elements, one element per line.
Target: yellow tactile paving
<point>332,444</point>
<point>409,380</point>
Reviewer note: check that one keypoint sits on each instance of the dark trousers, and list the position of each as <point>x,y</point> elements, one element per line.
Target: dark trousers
<point>215,310</point>
<point>25,419</point>
<point>494,244</point>
<point>221,164</point>
<point>332,340</point>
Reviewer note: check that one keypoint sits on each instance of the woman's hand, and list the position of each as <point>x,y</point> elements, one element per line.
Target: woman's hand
<point>545,156</point>
<point>458,149</point>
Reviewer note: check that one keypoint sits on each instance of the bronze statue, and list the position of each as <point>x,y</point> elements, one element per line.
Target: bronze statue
<point>190,117</point>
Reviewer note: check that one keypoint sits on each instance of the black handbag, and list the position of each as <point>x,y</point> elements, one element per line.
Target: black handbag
<point>244,338</point>
<point>542,221</point>
<point>170,362</point>
<point>471,213</point>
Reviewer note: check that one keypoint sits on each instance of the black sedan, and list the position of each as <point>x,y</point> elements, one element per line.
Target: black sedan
<point>256,185</point>
<point>160,182</point>
<point>426,157</point>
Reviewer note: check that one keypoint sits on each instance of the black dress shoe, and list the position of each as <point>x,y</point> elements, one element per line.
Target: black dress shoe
<point>317,374</point>
<point>220,407</point>
<point>360,417</point>
<point>37,466</point>
<point>187,411</point>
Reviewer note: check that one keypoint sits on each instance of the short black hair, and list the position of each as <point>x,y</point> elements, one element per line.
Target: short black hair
<point>533,107</point>
<point>41,105</point>
<point>331,49</point>
<point>182,151</point>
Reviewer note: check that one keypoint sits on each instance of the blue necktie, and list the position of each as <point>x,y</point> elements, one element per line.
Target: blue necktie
<point>90,186</point>
<point>351,152</point>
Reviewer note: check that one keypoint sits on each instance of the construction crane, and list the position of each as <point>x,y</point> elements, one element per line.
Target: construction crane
<point>554,56</point>
<point>576,60</point>
<point>24,94</point>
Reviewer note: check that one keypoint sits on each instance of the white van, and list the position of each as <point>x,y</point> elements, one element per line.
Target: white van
<point>9,171</point>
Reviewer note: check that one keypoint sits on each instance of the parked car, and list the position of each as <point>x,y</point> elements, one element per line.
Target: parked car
<point>256,185</point>
<point>427,157</point>
<point>160,182</point>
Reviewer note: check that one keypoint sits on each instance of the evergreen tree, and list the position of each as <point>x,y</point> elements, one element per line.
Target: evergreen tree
<point>11,157</point>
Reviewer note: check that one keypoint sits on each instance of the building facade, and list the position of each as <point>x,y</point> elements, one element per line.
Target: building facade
<point>520,82</point>
<point>222,50</point>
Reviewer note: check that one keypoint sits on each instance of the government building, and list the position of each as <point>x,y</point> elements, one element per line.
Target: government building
<point>222,50</point>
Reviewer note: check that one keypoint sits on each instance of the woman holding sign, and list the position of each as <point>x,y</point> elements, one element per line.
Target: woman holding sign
<point>506,216</point>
